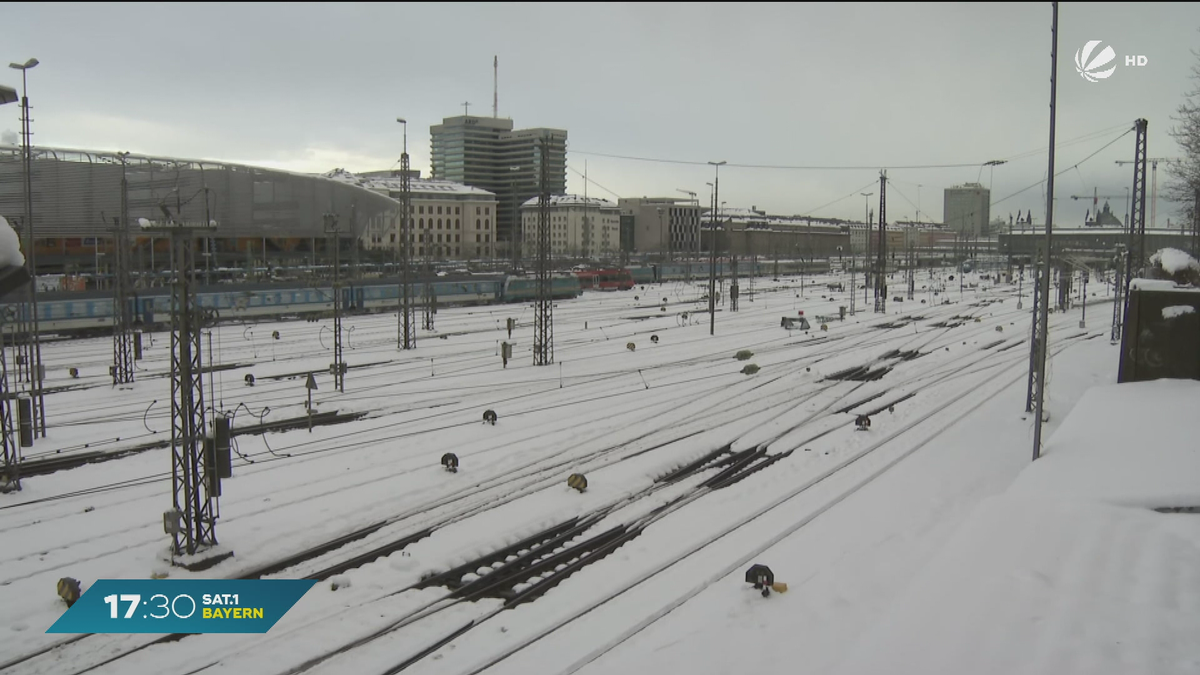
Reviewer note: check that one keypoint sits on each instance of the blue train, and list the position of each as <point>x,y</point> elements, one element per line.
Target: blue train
<point>91,312</point>
<point>681,271</point>
<point>88,312</point>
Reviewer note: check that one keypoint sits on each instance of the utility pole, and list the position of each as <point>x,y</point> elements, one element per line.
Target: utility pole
<point>712,254</point>
<point>1043,303</point>
<point>733,282</point>
<point>543,309</point>
<point>1136,259</point>
<point>1119,265</point>
<point>195,486</point>
<point>853,282</point>
<point>338,367</point>
<point>33,355</point>
<point>429,304</point>
<point>881,262</point>
<point>1196,225</point>
<point>867,249</point>
<point>122,370</point>
<point>10,471</point>
<point>912,273</point>
<point>406,324</point>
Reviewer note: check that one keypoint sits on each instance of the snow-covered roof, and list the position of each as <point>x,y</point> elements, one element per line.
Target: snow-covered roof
<point>421,187</point>
<point>574,200</point>
<point>1071,570</point>
<point>1174,261</point>
<point>1160,285</point>
<point>10,245</point>
<point>1038,231</point>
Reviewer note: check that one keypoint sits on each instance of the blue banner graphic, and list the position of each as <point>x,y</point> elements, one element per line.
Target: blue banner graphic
<point>181,606</point>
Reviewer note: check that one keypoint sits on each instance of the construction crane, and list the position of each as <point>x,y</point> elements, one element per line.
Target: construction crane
<point>1153,182</point>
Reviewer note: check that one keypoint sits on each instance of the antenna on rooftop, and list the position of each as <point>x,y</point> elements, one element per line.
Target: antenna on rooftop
<point>466,107</point>
<point>495,86</point>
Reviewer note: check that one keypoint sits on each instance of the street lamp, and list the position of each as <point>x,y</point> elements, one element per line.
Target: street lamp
<point>992,163</point>
<point>39,412</point>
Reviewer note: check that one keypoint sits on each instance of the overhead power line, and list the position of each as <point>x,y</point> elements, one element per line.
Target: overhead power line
<point>1029,153</point>
<point>589,180</point>
<point>1070,168</point>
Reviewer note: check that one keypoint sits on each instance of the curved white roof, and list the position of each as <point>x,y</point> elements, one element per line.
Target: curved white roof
<point>419,186</point>
<point>574,200</point>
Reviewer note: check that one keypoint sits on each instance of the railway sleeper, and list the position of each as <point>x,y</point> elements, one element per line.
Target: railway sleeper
<point>500,583</point>
<point>752,469</point>
<point>740,461</point>
<point>576,558</point>
<point>694,467</point>
<point>452,578</point>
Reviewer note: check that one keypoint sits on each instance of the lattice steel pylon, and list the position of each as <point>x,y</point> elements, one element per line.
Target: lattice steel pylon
<point>338,367</point>
<point>122,370</point>
<point>406,325</point>
<point>1118,317</point>
<point>543,309</point>
<point>881,261</point>
<point>1031,389</point>
<point>10,469</point>
<point>428,298</point>
<point>733,282</point>
<point>195,510</point>
<point>912,274</point>
<point>1136,259</point>
<point>753,273</point>
<point>1196,225</point>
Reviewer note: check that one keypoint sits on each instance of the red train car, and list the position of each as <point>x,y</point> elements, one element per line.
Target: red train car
<point>605,280</point>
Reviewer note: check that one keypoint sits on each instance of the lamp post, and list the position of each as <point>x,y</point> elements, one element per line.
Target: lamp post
<point>39,412</point>
<point>712,254</point>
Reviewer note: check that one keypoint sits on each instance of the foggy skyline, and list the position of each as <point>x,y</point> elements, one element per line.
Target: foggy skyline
<point>311,88</point>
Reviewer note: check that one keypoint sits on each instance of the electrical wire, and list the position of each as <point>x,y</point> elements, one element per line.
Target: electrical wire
<point>1075,166</point>
<point>1018,156</point>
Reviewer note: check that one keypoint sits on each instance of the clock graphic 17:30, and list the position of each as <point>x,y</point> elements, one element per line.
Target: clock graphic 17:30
<point>160,602</point>
<point>164,606</point>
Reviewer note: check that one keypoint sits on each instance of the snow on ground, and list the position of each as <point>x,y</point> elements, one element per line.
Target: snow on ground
<point>1071,570</point>
<point>848,518</point>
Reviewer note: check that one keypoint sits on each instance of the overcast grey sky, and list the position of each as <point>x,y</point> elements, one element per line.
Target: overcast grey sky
<point>311,87</point>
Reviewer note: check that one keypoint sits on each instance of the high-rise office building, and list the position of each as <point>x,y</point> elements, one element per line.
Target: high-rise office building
<point>485,152</point>
<point>967,209</point>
